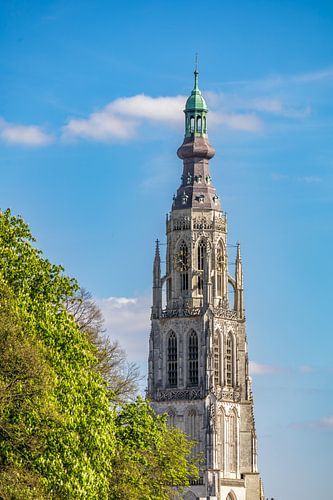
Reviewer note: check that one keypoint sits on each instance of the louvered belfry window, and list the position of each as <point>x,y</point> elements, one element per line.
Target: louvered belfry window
<point>193,358</point>
<point>184,259</point>
<point>201,263</point>
<point>217,354</point>
<point>219,271</point>
<point>172,360</point>
<point>228,361</point>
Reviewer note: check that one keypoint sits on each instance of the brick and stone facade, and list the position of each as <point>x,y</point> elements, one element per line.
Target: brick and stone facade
<point>198,358</point>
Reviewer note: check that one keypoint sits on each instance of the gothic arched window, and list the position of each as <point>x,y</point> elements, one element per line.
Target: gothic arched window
<point>193,366</point>
<point>183,265</point>
<point>172,360</point>
<point>217,359</point>
<point>219,270</point>
<point>229,361</point>
<point>201,264</point>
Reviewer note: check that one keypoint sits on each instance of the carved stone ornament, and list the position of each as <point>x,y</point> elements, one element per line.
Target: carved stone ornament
<point>180,394</point>
<point>182,223</point>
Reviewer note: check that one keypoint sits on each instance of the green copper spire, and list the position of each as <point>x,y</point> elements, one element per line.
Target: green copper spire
<point>195,111</point>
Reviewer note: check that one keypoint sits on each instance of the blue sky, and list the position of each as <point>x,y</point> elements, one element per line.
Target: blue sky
<point>90,121</point>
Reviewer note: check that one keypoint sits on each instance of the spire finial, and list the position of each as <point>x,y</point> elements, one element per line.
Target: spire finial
<point>196,73</point>
<point>238,257</point>
<point>157,249</point>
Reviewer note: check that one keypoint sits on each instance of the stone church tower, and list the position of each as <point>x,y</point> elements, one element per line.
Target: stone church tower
<point>198,359</point>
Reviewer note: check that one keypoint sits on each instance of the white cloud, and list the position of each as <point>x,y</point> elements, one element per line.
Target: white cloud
<point>249,107</point>
<point>26,135</point>
<point>314,76</point>
<point>277,106</point>
<point>326,422</point>
<point>100,126</point>
<point>246,122</point>
<point>306,369</point>
<point>307,179</point>
<point>160,109</point>
<point>310,179</point>
<point>127,319</point>
<point>261,369</point>
<point>120,119</point>
<point>272,81</point>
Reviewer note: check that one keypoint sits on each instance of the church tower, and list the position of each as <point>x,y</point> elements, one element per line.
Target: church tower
<point>198,359</point>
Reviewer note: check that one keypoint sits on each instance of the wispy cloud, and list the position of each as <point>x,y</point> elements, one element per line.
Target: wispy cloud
<point>326,422</point>
<point>120,119</point>
<point>306,369</point>
<point>307,179</point>
<point>25,135</point>
<point>237,121</point>
<point>271,81</point>
<point>255,108</point>
<point>262,369</point>
<point>323,423</point>
<point>313,76</point>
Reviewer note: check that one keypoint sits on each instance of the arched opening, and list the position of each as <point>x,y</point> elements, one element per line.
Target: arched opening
<point>231,292</point>
<point>231,496</point>
<point>217,359</point>
<point>193,367</point>
<point>172,365</point>
<point>229,360</point>
<point>192,124</point>
<point>183,265</point>
<point>192,429</point>
<point>220,439</point>
<point>200,264</point>
<point>219,270</point>
<point>204,125</point>
<point>232,440</point>
<point>199,124</point>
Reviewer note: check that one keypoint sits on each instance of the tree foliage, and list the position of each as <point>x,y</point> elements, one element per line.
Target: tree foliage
<point>65,430</point>
<point>74,453</point>
<point>153,459</point>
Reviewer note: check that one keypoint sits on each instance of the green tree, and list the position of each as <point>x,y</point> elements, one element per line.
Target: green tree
<point>152,460</point>
<point>74,456</point>
<point>25,408</point>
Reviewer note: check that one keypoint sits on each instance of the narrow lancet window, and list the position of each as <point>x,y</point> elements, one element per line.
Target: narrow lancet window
<point>219,271</point>
<point>193,358</point>
<point>183,267</point>
<point>228,361</point>
<point>172,360</point>
<point>201,263</point>
<point>217,358</point>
